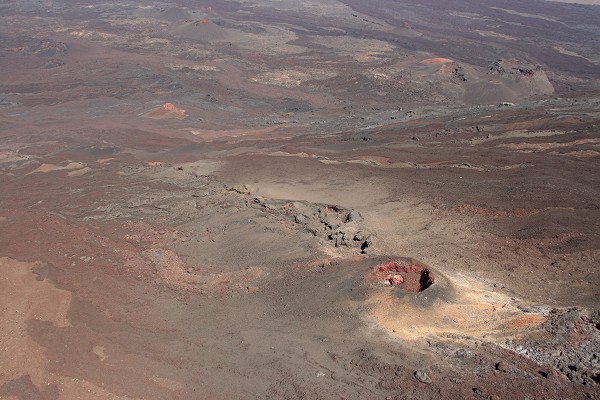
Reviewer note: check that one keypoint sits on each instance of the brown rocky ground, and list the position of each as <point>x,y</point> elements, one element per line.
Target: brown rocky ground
<point>344,209</point>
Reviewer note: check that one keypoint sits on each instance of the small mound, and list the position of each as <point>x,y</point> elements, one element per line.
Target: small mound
<point>202,30</point>
<point>406,303</point>
<point>410,277</point>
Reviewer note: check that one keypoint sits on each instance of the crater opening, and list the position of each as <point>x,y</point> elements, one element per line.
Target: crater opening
<point>410,277</point>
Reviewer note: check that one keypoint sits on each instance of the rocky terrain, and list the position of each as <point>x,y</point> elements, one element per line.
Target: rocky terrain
<point>290,199</point>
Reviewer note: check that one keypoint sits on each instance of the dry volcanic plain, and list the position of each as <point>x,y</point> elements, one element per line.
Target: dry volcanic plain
<point>293,199</point>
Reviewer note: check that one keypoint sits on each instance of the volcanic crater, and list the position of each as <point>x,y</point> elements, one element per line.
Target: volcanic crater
<point>409,276</point>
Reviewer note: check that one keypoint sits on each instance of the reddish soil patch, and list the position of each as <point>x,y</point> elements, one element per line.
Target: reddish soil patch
<point>168,110</point>
<point>437,60</point>
<point>410,277</point>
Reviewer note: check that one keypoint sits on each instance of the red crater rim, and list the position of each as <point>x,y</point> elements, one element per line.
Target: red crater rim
<point>410,277</point>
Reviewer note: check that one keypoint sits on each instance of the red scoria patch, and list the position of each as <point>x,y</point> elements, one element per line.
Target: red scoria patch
<point>409,277</point>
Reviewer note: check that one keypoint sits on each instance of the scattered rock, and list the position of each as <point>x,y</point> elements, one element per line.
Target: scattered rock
<point>360,236</point>
<point>313,231</point>
<point>459,74</point>
<point>332,221</point>
<point>240,189</point>
<point>502,366</point>
<point>525,71</point>
<point>354,216</point>
<point>338,239</point>
<point>422,377</point>
<point>366,245</point>
<point>395,279</point>
<point>497,67</point>
<point>300,218</point>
